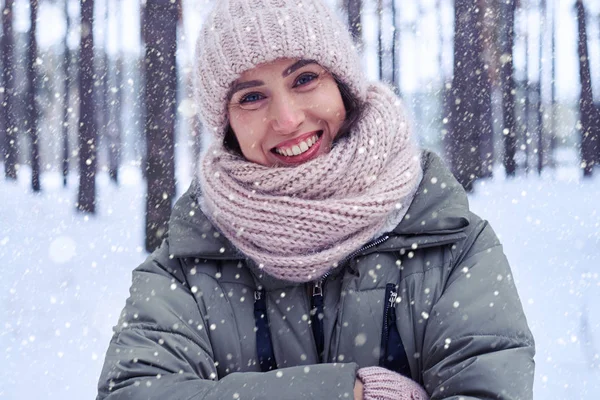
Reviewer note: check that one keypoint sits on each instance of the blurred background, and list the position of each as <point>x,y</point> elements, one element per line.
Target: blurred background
<point>99,136</point>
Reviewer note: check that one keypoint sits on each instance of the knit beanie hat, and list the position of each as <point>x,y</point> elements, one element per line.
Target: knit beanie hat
<point>238,35</point>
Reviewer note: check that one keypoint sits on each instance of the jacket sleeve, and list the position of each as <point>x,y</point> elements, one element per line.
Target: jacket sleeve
<point>161,350</point>
<point>478,344</point>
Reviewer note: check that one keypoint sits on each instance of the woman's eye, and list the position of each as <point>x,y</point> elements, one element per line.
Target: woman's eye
<point>304,79</point>
<point>250,98</point>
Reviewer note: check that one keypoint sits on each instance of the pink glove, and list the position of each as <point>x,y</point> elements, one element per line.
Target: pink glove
<point>382,384</point>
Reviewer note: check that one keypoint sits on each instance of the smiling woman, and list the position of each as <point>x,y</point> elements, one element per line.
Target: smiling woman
<point>319,253</point>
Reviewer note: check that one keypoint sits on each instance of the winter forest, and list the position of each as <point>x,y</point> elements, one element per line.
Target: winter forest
<point>99,136</point>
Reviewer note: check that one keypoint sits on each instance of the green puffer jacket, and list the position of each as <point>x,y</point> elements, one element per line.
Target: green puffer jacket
<point>188,330</point>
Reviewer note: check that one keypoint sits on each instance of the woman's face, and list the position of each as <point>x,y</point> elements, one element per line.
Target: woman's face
<point>285,112</point>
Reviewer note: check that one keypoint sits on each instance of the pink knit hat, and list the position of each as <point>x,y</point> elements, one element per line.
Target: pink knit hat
<point>238,35</point>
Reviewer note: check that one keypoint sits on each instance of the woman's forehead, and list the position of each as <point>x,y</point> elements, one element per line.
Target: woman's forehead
<point>282,66</point>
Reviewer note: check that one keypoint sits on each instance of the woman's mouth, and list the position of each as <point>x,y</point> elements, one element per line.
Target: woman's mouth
<point>300,151</point>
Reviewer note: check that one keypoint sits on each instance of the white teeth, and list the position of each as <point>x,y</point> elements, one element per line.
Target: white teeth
<point>299,148</point>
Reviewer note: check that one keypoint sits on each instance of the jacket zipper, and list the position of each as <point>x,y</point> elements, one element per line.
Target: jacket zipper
<point>389,317</point>
<point>393,354</point>
<point>316,316</point>
<point>317,299</point>
<point>366,247</point>
<point>264,345</point>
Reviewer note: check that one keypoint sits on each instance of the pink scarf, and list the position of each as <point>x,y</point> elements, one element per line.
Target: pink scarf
<point>298,222</point>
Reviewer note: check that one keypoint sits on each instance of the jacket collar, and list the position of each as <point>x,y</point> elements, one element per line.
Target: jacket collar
<point>438,214</point>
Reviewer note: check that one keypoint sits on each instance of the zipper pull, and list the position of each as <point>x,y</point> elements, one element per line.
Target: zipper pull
<point>318,288</point>
<point>393,297</point>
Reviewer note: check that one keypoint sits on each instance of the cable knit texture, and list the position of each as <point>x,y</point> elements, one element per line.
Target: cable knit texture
<point>238,35</point>
<point>382,384</point>
<point>298,222</point>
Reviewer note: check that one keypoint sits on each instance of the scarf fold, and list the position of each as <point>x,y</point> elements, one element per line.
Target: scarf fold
<point>298,222</point>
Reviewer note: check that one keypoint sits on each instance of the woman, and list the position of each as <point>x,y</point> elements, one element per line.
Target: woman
<point>320,254</point>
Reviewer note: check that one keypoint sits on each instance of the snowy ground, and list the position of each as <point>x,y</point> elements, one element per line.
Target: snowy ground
<point>65,278</point>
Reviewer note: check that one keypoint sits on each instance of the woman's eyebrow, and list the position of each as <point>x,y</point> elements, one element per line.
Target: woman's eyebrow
<point>296,65</point>
<point>243,85</point>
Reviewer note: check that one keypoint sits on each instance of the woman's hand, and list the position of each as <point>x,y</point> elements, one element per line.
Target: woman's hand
<point>358,390</point>
<point>376,383</point>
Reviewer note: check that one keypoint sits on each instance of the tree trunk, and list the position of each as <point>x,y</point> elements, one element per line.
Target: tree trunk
<point>10,139</point>
<point>589,140</point>
<point>140,109</point>
<point>540,108</point>
<point>161,80</point>
<point>509,88</point>
<point>395,38</point>
<point>103,95</point>
<point>86,201</point>
<point>470,100</point>
<point>66,95</point>
<point>380,37</point>
<point>113,108</point>
<point>527,109</point>
<point>2,121</point>
<point>552,132</point>
<point>118,107</point>
<point>353,10</point>
<point>485,57</point>
<point>31,109</point>
<point>114,128</point>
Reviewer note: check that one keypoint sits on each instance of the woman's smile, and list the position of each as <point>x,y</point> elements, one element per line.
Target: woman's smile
<point>301,149</point>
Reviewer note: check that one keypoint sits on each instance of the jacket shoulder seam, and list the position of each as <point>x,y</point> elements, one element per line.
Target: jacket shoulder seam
<point>483,335</point>
<point>459,255</point>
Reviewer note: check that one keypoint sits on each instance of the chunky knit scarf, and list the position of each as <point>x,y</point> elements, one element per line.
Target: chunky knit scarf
<point>298,222</point>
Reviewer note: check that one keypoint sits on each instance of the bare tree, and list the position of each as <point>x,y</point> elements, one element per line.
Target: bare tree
<point>395,39</point>
<point>470,103</point>
<point>587,110</point>
<point>86,200</point>
<point>118,99</point>
<point>509,88</point>
<point>113,105</point>
<point>31,108</point>
<point>10,146</point>
<point>380,37</point>
<point>526,122</point>
<point>160,20</point>
<point>66,94</point>
<point>552,131</point>
<point>540,103</point>
<point>353,10</point>
<point>488,60</point>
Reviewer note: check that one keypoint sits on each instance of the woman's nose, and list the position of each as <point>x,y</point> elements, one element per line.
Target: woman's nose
<point>286,114</point>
